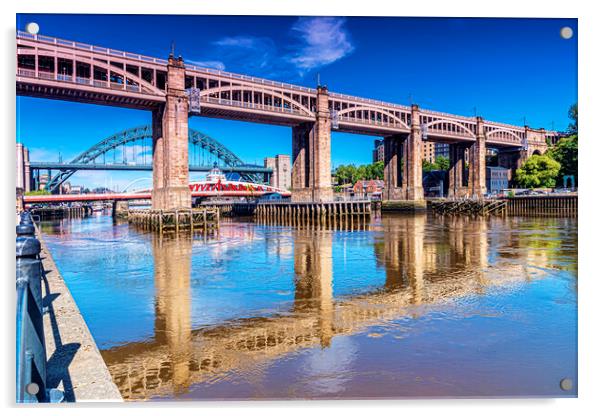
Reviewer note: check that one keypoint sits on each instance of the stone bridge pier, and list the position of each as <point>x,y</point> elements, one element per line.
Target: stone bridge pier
<point>311,175</point>
<point>170,143</point>
<point>403,163</point>
<point>467,170</point>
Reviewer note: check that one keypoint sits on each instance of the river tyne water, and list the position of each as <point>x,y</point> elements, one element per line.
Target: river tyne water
<point>404,306</point>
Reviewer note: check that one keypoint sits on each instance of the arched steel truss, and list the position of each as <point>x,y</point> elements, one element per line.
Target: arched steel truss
<point>195,137</point>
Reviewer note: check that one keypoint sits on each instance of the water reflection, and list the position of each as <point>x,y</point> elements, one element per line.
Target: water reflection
<point>313,279</point>
<point>172,258</point>
<point>401,270</point>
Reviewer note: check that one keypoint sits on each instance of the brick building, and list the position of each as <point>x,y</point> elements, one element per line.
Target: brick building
<point>368,187</point>
<point>429,151</point>
<point>281,166</point>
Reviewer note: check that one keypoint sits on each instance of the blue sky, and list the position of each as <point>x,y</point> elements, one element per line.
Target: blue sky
<point>508,69</point>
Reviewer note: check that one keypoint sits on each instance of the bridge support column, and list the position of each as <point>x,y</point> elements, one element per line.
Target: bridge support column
<point>393,158</point>
<point>170,143</point>
<point>311,176</point>
<point>412,161</point>
<point>477,186</point>
<point>120,209</point>
<point>457,162</point>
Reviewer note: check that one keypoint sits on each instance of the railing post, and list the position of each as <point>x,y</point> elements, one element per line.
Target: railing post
<point>30,348</point>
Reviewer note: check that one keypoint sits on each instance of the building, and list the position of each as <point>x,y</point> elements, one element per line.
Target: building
<point>281,166</point>
<point>435,183</point>
<point>378,154</point>
<point>368,188</point>
<point>429,151</point>
<point>66,188</point>
<point>43,179</point>
<point>76,189</point>
<point>442,149</point>
<point>23,169</point>
<point>496,179</point>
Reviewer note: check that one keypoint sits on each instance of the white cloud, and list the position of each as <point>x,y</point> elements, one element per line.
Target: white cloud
<point>257,53</point>
<point>246,42</point>
<point>219,65</point>
<point>315,42</point>
<point>323,40</point>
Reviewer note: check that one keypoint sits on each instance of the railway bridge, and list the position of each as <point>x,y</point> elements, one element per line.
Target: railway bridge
<point>173,91</point>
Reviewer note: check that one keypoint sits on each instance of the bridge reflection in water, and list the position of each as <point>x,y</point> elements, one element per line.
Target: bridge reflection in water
<point>421,269</point>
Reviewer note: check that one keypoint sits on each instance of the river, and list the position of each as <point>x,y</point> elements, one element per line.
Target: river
<point>404,306</point>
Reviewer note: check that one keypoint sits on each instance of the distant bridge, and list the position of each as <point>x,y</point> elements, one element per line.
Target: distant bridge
<point>131,150</point>
<point>135,167</point>
<point>220,188</point>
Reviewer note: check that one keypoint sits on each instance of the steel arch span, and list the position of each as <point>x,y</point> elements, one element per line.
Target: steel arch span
<point>131,135</point>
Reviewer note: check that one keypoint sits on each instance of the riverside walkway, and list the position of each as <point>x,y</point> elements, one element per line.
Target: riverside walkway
<point>57,357</point>
<point>74,363</point>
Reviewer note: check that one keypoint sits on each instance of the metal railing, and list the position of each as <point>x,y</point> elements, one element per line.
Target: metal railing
<point>51,76</point>
<point>370,122</point>
<point>253,106</point>
<point>353,98</point>
<point>30,345</point>
<point>249,78</point>
<point>90,48</point>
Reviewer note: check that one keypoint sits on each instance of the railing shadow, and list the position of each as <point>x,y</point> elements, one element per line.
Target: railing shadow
<point>57,367</point>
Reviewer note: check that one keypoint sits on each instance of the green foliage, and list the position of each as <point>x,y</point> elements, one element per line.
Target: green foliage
<point>573,115</point>
<point>565,153</point>
<point>350,174</point>
<point>427,166</point>
<point>441,163</point>
<point>538,171</point>
<point>38,192</point>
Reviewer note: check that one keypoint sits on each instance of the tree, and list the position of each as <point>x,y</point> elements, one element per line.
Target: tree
<point>565,153</point>
<point>344,174</point>
<point>378,170</point>
<point>38,192</point>
<point>573,127</point>
<point>350,174</point>
<point>538,171</point>
<point>428,166</point>
<point>442,163</point>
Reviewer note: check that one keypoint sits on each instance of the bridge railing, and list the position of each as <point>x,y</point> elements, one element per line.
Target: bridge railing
<point>257,80</point>
<point>31,365</point>
<point>51,76</point>
<point>255,106</point>
<point>90,48</point>
<point>347,119</point>
<point>379,103</point>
